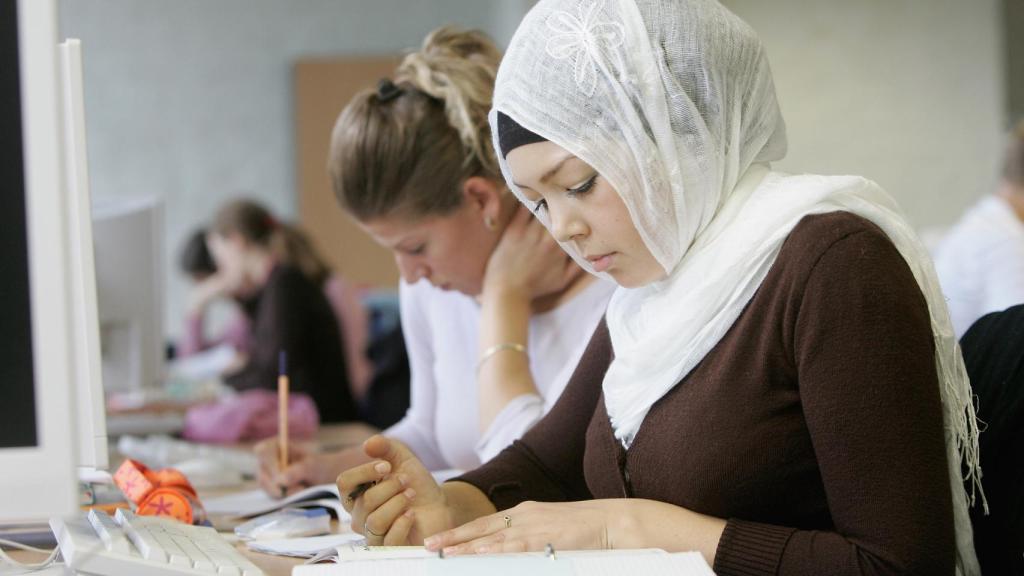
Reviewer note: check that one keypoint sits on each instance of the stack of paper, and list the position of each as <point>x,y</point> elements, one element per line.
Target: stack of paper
<point>256,502</point>
<point>406,561</point>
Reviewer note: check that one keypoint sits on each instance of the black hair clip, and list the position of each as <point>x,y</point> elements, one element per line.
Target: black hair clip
<point>387,90</point>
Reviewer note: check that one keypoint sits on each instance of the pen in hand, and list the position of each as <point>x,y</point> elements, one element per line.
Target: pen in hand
<point>359,490</point>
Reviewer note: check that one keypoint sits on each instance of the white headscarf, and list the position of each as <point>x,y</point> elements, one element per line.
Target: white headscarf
<point>672,102</point>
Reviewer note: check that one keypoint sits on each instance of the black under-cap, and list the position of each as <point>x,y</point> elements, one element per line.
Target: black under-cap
<point>511,135</point>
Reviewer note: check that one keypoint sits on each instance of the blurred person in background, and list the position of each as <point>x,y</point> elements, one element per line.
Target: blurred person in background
<point>981,260</point>
<point>283,299</point>
<point>296,248</point>
<point>206,288</point>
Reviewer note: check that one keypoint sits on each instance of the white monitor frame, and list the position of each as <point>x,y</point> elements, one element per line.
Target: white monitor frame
<point>92,416</point>
<point>128,239</point>
<point>40,481</point>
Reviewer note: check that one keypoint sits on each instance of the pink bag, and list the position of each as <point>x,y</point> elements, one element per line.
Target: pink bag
<point>251,415</point>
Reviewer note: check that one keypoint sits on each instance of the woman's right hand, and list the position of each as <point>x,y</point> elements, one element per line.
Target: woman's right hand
<point>403,504</point>
<point>528,261</point>
<point>206,291</point>
<point>305,468</point>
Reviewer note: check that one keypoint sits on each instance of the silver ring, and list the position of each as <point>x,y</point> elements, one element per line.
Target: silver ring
<point>508,521</point>
<point>366,530</point>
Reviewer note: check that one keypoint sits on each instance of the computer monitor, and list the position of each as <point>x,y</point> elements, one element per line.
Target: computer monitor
<point>37,444</point>
<point>88,376</point>
<point>128,233</point>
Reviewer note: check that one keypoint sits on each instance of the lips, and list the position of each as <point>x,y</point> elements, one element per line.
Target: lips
<point>600,262</point>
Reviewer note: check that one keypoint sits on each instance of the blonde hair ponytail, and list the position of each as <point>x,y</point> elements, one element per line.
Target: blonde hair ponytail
<point>458,68</point>
<point>407,147</point>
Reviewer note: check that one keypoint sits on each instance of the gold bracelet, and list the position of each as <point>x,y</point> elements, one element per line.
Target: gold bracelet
<point>498,348</point>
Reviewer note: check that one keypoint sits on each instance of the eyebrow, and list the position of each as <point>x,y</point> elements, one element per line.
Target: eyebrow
<point>554,170</point>
<point>406,245</point>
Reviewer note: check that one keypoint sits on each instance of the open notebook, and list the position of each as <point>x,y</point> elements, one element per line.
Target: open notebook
<point>415,561</point>
<point>256,502</point>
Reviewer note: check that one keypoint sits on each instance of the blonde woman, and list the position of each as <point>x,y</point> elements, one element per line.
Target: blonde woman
<point>495,315</point>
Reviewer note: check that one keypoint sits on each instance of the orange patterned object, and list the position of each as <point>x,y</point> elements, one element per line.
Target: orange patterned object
<point>166,492</point>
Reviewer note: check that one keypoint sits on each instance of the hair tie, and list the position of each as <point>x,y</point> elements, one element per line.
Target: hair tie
<point>387,90</point>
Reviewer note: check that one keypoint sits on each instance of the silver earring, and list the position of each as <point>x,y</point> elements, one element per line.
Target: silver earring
<point>489,223</point>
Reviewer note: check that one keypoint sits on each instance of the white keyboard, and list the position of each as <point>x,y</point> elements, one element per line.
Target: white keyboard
<point>130,545</point>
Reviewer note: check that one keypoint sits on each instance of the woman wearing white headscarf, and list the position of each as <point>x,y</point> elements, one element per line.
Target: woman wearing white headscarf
<point>777,384</point>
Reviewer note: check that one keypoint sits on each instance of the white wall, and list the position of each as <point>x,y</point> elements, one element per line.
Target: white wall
<point>906,92</point>
<point>1012,15</point>
<point>191,100</point>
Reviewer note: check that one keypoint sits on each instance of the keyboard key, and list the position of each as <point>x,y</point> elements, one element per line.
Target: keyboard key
<point>138,534</point>
<point>174,552</point>
<point>110,533</point>
<point>200,561</point>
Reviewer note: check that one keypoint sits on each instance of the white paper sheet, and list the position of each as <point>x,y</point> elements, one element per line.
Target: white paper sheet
<point>590,563</point>
<point>302,547</point>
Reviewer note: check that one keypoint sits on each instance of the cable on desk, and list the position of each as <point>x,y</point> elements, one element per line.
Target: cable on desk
<point>29,567</point>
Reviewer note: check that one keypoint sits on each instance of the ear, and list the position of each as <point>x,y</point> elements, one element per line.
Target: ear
<point>484,195</point>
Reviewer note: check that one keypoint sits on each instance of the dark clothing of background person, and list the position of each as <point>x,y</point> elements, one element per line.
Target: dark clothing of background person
<point>388,397</point>
<point>290,313</point>
<point>993,351</point>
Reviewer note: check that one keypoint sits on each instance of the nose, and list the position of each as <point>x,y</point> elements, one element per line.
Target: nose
<point>566,226</point>
<point>411,268</point>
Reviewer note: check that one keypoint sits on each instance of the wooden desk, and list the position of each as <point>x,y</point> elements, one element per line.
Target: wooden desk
<point>329,436</point>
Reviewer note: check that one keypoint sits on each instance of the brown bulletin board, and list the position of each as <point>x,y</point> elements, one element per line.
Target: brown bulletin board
<point>322,88</point>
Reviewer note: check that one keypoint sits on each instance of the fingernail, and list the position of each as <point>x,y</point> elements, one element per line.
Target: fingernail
<point>382,467</point>
<point>481,550</point>
<point>409,514</point>
<point>410,493</point>
<point>403,480</point>
<point>431,542</point>
<point>450,550</point>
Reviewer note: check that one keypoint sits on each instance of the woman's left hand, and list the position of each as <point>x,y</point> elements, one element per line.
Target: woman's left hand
<point>531,526</point>
<point>586,525</point>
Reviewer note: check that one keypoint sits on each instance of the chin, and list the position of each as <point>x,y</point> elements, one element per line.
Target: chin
<point>627,280</point>
<point>471,291</point>
<point>627,283</point>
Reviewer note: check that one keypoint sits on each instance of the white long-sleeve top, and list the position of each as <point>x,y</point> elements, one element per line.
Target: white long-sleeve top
<point>980,262</point>
<point>442,337</point>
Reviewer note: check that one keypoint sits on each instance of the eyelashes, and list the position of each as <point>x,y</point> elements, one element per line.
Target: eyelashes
<point>580,190</point>
<point>583,188</point>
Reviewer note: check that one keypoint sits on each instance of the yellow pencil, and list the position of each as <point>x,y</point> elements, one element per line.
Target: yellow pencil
<point>282,413</point>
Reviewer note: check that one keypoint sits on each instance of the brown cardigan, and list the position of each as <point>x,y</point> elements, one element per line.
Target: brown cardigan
<point>814,427</point>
